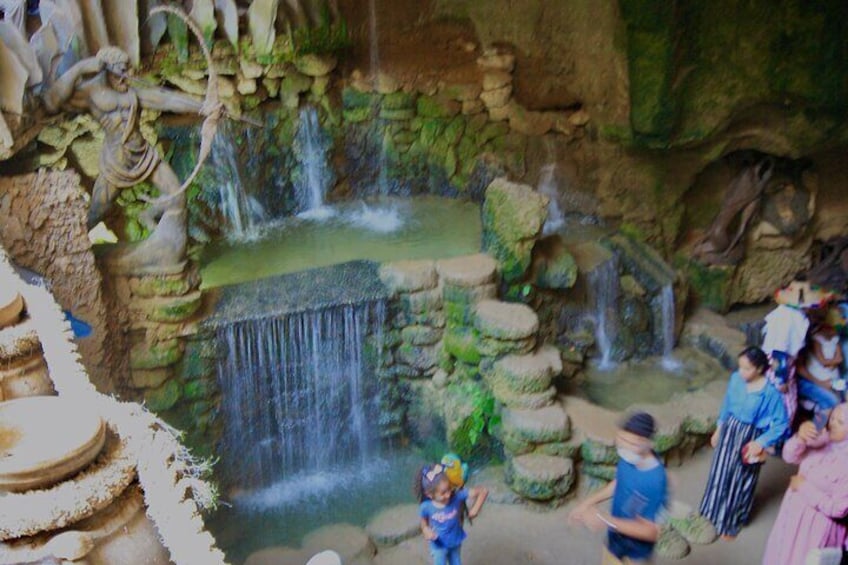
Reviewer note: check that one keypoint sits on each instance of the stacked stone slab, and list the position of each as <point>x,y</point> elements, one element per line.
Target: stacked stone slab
<point>534,427</point>
<point>497,70</point>
<point>419,322</point>
<point>171,366</point>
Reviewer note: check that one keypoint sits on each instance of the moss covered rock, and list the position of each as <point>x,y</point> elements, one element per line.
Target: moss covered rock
<point>542,425</point>
<point>437,107</point>
<point>504,320</point>
<point>163,397</point>
<point>462,344</point>
<point>539,477</point>
<point>513,215</point>
<point>145,355</point>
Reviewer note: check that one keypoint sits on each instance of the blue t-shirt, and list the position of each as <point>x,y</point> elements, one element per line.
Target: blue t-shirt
<point>446,522</point>
<point>638,493</point>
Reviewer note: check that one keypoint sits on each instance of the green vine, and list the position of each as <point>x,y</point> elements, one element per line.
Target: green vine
<point>474,432</point>
<point>326,38</point>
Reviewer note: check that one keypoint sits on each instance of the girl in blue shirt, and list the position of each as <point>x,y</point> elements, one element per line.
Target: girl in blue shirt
<point>752,419</point>
<point>441,513</point>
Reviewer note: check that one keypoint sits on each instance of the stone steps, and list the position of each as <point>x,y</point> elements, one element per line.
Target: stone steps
<point>540,477</point>
<point>527,374</point>
<point>542,425</point>
<point>467,271</point>
<point>505,320</point>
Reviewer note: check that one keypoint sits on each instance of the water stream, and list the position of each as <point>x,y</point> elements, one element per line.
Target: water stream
<point>669,362</point>
<point>603,296</point>
<point>315,176</point>
<point>298,394</point>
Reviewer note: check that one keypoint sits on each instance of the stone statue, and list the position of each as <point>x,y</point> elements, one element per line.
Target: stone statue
<point>101,85</point>
<point>718,246</point>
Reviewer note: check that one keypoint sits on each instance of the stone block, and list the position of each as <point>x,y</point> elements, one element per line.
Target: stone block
<point>468,270</point>
<point>541,425</point>
<point>421,335</point>
<point>155,355</point>
<point>505,320</point>
<point>540,477</point>
<point>409,276</point>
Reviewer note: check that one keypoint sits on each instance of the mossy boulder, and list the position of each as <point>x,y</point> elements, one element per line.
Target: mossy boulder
<point>710,284</point>
<point>462,344</point>
<point>169,309</point>
<point>409,276</point>
<point>163,397</point>
<point>468,295</point>
<point>513,215</point>
<point>421,335</point>
<point>437,107</point>
<point>493,347</point>
<point>539,477</point>
<point>542,425</point>
<point>145,355</point>
<point>526,374</point>
<point>554,268</point>
<point>505,321</point>
<point>421,301</point>
<point>599,471</point>
<point>468,270</point>
<point>598,453</point>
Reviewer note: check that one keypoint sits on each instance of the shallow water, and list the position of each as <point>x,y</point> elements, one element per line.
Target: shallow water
<point>283,513</point>
<point>384,230</point>
<point>649,381</point>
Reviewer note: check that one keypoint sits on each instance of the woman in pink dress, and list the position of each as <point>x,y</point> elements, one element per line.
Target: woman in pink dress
<point>817,496</point>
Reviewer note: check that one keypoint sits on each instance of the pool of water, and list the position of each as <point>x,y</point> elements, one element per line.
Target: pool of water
<point>424,227</point>
<point>283,513</point>
<point>649,381</point>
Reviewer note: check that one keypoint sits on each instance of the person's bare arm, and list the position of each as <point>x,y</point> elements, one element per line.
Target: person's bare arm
<point>478,494</point>
<point>166,100</point>
<point>65,86</point>
<point>638,528</point>
<point>429,533</point>
<point>587,503</point>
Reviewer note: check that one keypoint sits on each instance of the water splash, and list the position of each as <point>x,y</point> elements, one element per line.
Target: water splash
<point>548,186</point>
<point>315,178</point>
<point>379,219</point>
<point>242,213</point>
<point>299,396</point>
<point>603,295</point>
<point>669,362</point>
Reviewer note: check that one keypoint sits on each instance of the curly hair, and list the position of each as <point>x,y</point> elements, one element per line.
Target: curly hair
<point>112,56</point>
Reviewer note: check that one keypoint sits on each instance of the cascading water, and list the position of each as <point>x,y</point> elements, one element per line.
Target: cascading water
<point>298,394</point>
<point>242,213</point>
<point>316,177</point>
<point>603,295</point>
<point>548,187</point>
<point>669,363</point>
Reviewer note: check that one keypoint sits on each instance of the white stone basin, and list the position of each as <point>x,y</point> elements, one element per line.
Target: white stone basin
<point>44,439</point>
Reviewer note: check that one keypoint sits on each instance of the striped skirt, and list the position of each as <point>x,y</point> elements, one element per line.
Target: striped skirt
<point>730,486</point>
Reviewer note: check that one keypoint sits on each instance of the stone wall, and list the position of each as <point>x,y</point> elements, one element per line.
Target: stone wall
<point>43,228</point>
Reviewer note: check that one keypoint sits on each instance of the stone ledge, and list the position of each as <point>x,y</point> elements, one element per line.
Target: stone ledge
<point>409,276</point>
<point>504,320</point>
<point>468,270</point>
<point>540,477</point>
<point>539,426</point>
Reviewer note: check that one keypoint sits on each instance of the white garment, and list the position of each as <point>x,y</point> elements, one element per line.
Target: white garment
<point>828,348</point>
<point>785,330</point>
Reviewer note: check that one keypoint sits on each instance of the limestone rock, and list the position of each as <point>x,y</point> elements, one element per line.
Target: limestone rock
<point>409,276</point>
<point>579,118</point>
<point>394,525</point>
<point>422,357</point>
<point>250,69</point>
<point>504,320</point>
<point>350,542</point>
<point>497,98</point>
<point>501,113</point>
<point>422,301</point>
<point>493,347</point>
<point>246,86</point>
<point>464,92</point>
<point>540,477</point>
<point>495,61</point>
<point>542,425</point>
<point>553,266</point>
<point>468,270</point>
<point>599,471</point>
<point>421,335</point>
<point>525,401</point>
<point>468,294</point>
<point>149,378</point>
<point>315,65</point>
<point>527,374</point>
<point>513,215</point>
<point>764,270</point>
<point>528,122</point>
<point>496,79</point>
<point>472,107</point>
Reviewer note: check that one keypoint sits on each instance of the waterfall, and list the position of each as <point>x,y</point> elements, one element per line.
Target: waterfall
<point>667,309</point>
<point>299,393</point>
<point>315,177</point>
<point>548,187</point>
<point>242,213</point>
<point>603,295</point>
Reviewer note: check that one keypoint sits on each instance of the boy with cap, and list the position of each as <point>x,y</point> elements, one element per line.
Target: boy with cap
<point>638,495</point>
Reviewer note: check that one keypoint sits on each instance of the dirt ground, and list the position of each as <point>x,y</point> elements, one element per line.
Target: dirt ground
<point>507,534</point>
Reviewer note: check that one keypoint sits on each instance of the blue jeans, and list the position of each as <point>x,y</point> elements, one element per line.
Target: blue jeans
<point>823,399</point>
<point>445,556</point>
